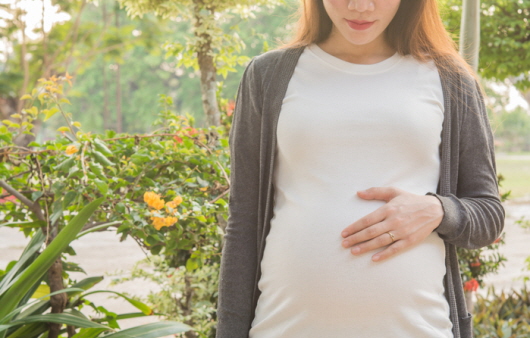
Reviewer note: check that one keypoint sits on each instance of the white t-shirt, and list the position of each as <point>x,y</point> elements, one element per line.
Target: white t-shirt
<point>346,127</point>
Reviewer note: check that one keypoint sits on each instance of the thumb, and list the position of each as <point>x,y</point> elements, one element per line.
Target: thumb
<point>378,193</point>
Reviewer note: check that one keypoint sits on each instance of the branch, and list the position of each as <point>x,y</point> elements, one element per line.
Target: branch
<point>70,33</point>
<point>74,38</point>
<point>220,196</point>
<point>33,206</point>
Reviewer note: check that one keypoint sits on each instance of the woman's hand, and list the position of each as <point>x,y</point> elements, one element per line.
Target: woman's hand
<point>410,218</point>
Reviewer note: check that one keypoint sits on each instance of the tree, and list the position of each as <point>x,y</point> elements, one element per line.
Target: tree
<point>504,38</point>
<point>208,49</point>
<point>65,48</point>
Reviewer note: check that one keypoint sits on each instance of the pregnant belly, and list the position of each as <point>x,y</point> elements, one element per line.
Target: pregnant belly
<point>306,269</point>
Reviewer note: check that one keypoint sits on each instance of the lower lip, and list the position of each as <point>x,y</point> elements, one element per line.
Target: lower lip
<point>360,27</point>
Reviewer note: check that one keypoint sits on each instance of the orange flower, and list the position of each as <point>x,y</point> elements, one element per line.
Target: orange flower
<point>169,221</point>
<point>497,240</point>
<point>173,204</point>
<point>203,188</point>
<point>471,285</point>
<point>191,131</point>
<point>158,222</point>
<point>68,78</point>
<point>70,150</point>
<point>230,107</point>
<point>178,139</point>
<point>153,200</point>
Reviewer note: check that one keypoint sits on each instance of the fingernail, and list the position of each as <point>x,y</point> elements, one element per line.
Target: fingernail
<point>356,250</point>
<point>344,234</point>
<point>375,258</point>
<point>345,244</point>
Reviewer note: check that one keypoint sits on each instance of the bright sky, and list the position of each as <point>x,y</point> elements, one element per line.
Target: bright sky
<point>34,14</point>
<point>51,15</point>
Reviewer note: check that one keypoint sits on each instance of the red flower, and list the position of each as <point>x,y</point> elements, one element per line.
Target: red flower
<point>497,240</point>
<point>471,285</point>
<point>191,131</point>
<point>230,107</point>
<point>178,139</point>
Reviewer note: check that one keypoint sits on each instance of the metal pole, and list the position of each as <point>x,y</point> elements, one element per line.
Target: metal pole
<point>470,32</point>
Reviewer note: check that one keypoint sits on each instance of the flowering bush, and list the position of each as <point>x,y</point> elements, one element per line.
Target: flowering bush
<point>166,189</point>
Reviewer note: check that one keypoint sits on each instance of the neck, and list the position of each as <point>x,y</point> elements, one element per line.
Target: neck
<point>373,52</point>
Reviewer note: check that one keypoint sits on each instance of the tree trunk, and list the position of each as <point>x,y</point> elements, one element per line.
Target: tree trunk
<point>55,282</point>
<point>206,65</point>
<point>23,61</point>
<point>119,118</point>
<point>470,32</point>
<point>106,114</point>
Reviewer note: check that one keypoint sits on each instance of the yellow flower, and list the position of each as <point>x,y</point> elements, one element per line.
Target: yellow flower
<point>70,150</point>
<point>153,200</point>
<point>173,204</point>
<point>158,204</point>
<point>203,189</point>
<point>158,222</point>
<point>169,221</point>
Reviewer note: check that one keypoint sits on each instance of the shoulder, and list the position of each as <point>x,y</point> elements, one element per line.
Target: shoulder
<point>459,76</point>
<point>273,64</point>
<point>264,65</point>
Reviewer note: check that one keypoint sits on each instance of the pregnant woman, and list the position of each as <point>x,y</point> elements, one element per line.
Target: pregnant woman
<point>361,158</point>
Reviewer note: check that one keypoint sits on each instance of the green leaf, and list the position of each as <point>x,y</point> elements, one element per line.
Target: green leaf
<point>30,330</point>
<point>102,147</point>
<point>102,186</point>
<point>153,330</point>
<point>24,225</point>
<point>69,198</point>
<point>48,113</point>
<point>89,333</point>
<point>65,165</point>
<point>73,267</point>
<point>38,303</point>
<point>42,291</point>
<point>192,264</point>
<point>27,257</point>
<point>102,159</point>
<point>7,138</point>
<point>36,195</point>
<point>60,318</point>
<point>137,304</point>
<point>99,227</point>
<point>31,275</point>
<point>63,129</point>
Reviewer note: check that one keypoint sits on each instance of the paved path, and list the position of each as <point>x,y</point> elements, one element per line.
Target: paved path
<point>102,253</point>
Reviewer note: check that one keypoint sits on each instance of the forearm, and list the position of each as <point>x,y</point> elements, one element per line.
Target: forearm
<point>236,282</point>
<point>471,222</point>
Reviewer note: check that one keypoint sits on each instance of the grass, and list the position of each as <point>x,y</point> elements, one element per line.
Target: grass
<point>515,168</point>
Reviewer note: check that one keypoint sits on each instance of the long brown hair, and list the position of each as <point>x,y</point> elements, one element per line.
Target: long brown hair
<point>416,29</point>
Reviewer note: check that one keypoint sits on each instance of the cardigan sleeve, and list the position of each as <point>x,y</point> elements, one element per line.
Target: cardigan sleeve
<point>239,254</point>
<point>474,216</point>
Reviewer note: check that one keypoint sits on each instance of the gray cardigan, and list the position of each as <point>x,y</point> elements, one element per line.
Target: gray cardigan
<point>468,191</point>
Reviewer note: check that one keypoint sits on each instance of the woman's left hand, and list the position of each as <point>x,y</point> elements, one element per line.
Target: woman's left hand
<point>410,218</point>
